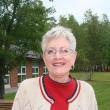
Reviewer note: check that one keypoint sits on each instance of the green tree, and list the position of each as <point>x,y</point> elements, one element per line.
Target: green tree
<point>94,37</point>
<point>22,23</point>
<point>106,40</point>
<point>97,33</point>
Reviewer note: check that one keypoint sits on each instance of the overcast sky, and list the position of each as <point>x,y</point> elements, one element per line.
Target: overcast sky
<point>79,7</point>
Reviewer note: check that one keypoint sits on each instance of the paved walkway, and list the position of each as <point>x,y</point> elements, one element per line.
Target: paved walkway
<point>8,89</point>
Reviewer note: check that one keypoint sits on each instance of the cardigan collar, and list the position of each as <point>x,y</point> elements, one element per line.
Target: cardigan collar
<point>50,99</point>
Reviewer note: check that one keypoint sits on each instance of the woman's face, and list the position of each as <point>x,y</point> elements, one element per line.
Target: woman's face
<point>58,57</point>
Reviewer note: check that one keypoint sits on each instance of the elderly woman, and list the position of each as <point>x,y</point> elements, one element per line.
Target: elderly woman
<point>56,90</point>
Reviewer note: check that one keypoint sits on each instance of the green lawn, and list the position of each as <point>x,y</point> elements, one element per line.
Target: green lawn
<point>102,90</point>
<point>100,83</point>
<point>10,95</point>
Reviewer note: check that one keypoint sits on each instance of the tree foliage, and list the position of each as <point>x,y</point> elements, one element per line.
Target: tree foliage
<point>22,24</point>
<point>97,38</point>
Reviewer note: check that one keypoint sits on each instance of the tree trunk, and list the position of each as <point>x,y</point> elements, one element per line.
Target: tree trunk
<point>2,73</point>
<point>2,88</point>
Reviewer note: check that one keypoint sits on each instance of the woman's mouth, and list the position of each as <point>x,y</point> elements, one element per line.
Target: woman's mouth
<point>58,64</point>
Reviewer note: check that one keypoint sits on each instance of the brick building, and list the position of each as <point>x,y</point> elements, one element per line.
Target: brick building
<point>28,70</point>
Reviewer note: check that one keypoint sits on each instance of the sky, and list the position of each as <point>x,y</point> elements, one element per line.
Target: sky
<point>79,7</point>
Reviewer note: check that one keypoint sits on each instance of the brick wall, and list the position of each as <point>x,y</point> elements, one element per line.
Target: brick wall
<point>29,68</point>
<point>14,77</point>
<point>14,72</point>
<point>41,69</point>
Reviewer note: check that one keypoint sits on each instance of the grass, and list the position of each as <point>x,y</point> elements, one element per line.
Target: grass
<point>102,90</point>
<point>10,96</point>
<point>100,83</point>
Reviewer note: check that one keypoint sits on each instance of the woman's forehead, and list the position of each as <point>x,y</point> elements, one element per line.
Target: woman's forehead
<point>54,39</point>
<point>60,42</point>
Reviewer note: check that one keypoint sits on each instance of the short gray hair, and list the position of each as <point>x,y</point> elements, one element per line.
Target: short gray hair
<point>57,32</point>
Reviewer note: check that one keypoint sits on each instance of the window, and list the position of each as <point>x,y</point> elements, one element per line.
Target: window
<point>35,70</point>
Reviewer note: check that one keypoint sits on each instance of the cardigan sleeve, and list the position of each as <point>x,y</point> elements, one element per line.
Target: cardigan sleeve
<point>87,97</point>
<point>21,101</point>
<point>92,101</point>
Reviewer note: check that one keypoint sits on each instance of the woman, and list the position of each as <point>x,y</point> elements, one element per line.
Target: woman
<point>56,90</point>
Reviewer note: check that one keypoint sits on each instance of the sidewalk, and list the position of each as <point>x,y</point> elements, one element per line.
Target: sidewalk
<point>8,89</point>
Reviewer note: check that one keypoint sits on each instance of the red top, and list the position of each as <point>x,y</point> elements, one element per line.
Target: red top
<point>60,92</point>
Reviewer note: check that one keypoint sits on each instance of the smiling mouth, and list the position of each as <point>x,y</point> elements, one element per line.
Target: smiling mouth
<point>59,64</point>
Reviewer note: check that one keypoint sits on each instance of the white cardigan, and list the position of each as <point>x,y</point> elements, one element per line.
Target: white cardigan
<point>31,95</point>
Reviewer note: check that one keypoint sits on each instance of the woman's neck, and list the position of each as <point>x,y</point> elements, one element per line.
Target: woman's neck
<point>60,79</point>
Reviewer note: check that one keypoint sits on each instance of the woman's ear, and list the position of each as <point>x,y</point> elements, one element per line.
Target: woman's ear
<point>74,57</point>
<point>43,57</point>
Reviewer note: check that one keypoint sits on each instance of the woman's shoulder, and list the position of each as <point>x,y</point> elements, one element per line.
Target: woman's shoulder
<point>86,86</point>
<point>29,82</point>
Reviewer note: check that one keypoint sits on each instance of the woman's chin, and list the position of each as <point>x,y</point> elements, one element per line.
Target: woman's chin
<point>60,73</point>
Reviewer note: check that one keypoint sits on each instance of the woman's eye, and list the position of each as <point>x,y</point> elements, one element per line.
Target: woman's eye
<point>65,51</point>
<point>50,51</point>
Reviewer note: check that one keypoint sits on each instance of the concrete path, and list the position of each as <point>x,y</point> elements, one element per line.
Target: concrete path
<point>8,89</point>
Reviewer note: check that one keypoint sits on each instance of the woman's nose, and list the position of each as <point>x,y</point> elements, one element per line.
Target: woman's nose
<point>58,54</point>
